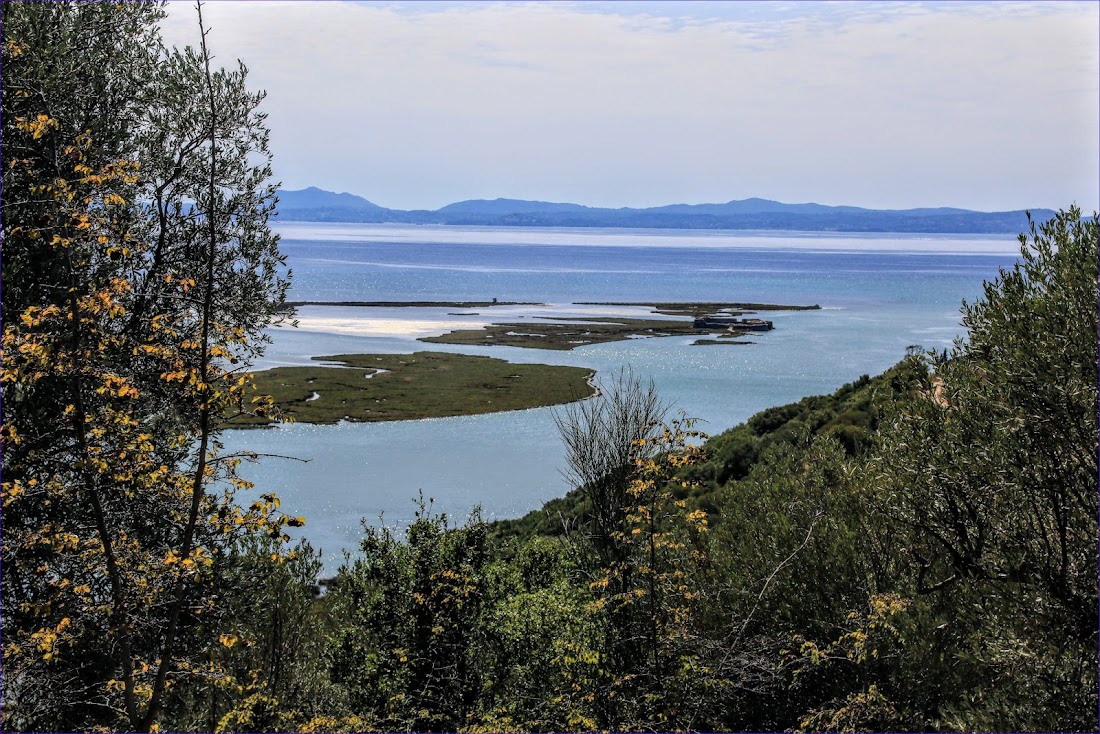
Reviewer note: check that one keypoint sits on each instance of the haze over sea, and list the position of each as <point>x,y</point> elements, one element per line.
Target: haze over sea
<point>878,293</point>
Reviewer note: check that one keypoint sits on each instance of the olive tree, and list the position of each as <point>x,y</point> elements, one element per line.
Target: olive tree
<point>139,273</point>
<point>991,470</point>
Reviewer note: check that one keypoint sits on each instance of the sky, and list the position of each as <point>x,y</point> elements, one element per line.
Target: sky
<point>413,105</point>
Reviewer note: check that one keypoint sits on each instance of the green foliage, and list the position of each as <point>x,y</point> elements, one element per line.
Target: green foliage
<point>865,647</point>
<point>274,650</point>
<point>990,471</point>
<point>792,555</point>
<point>407,648</point>
<point>540,647</point>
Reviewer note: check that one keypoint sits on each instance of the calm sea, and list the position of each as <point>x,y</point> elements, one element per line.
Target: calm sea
<point>878,293</point>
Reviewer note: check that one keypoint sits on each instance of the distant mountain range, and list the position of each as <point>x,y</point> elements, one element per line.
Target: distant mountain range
<point>316,205</point>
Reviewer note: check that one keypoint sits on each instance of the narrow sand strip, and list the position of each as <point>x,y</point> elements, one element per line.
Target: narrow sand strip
<point>368,326</point>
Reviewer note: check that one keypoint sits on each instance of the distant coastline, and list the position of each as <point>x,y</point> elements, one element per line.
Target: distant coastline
<point>317,205</point>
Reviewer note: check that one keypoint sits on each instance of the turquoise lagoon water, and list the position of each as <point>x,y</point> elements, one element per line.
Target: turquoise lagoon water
<point>878,293</point>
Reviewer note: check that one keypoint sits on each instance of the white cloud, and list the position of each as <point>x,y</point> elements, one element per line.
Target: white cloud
<point>989,106</point>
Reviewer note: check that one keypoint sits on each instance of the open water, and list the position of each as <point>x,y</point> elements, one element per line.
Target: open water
<point>878,293</point>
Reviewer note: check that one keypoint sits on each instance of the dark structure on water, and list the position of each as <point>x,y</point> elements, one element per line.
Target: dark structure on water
<point>726,322</point>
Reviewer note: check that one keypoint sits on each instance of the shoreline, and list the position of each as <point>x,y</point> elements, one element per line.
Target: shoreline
<point>423,384</point>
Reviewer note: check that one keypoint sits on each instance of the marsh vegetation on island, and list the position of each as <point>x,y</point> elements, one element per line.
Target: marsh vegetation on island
<point>388,387</point>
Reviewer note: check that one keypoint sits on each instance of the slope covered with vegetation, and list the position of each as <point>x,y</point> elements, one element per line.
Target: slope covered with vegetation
<point>917,551</point>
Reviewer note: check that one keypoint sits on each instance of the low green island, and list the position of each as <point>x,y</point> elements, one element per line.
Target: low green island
<point>390,387</point>
<point>563,333</point>
<point>569,333</point>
